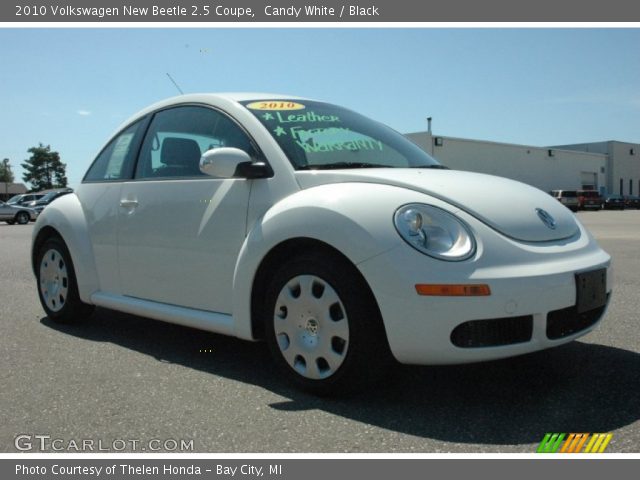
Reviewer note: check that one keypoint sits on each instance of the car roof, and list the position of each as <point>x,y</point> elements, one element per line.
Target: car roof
<point>216,98</point>
<point>213,98</point>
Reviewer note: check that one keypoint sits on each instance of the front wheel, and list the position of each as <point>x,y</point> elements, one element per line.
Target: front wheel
<point>323,326</point>
<point>22,218</point>
<point>57,286</point>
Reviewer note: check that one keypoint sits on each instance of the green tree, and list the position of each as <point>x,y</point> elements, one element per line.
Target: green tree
<point>6,175</point>
<point>44,170</point>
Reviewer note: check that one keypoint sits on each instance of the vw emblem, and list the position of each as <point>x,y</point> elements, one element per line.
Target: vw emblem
<point>546,218</point>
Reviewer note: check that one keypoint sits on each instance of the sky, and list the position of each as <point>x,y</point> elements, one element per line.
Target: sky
<point>71,88</point>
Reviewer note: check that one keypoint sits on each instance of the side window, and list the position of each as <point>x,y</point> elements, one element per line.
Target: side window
<point>112,161</point>
<point>177,138</point>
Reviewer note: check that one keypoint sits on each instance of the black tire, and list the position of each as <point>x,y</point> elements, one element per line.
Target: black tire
<point>359,359</point>
<point>57,285</point>
<point>22,218</point>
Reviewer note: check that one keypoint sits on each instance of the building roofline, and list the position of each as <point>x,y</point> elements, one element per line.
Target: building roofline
<point>595,143</point>
<point>519,145</point>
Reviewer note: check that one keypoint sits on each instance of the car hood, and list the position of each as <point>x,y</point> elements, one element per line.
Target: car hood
<point>510,207</point>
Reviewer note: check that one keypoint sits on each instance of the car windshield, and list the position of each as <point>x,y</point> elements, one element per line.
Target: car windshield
<point>319,136</point>
<point>569,193</point>
<point>14,199</point>
<point>47,198</point>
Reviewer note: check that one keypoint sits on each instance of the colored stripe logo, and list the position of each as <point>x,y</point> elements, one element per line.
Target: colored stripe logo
<point>574,443</point>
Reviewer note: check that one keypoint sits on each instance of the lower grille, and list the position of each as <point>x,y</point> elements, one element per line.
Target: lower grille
<point>493,332</point>
<point>565,322</point>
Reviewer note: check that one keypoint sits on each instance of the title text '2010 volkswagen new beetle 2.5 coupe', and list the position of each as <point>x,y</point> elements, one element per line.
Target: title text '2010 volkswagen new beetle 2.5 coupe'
<point>327,234</point>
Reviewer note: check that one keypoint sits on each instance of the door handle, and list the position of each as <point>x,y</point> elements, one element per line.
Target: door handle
<point>128,203</point>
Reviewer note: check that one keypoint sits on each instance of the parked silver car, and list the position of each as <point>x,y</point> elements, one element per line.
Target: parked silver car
<point>39,205</point>
<point>16,214</point>
<point>25,199</point>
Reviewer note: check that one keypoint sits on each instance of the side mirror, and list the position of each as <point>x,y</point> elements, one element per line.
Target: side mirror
<point>228,162</point>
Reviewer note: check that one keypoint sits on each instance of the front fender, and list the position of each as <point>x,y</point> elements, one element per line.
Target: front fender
<point>66,217</point>
<point>354,218</point>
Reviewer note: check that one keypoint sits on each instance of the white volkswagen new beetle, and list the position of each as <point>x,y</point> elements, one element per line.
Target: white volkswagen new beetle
<point>329,235</point>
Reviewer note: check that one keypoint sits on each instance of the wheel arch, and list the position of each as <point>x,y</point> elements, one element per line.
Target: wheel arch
<point>331,217</point>
<point>65,219</point>
<point>40,237</point>
<point>277,256</point>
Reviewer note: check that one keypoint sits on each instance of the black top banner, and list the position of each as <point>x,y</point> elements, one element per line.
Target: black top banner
<point>253,11</point>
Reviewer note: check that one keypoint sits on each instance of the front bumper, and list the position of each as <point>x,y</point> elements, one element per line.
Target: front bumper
<point>533,292</point>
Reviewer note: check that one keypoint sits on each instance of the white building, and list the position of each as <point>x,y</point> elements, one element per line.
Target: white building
<point>623,164</point>
<point>610,167</point>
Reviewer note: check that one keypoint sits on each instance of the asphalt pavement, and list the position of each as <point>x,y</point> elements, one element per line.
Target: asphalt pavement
<point>120,382</point>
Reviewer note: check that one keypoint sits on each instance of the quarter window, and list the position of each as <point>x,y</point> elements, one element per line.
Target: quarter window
<point>112,163</point>
<point>177,138</point>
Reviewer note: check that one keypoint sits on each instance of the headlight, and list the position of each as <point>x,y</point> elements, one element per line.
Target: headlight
<point>435,232</point>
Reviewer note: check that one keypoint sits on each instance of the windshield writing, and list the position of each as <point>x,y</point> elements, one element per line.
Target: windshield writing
<point>323,136</point>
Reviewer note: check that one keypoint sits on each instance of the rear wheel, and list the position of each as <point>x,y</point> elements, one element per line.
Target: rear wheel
<point>22,218</point>
<point>57,286</point>
<point>323,326</point>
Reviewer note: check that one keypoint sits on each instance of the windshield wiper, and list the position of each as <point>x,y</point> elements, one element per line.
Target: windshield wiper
<point>342,165</point>
<point>436,167</point>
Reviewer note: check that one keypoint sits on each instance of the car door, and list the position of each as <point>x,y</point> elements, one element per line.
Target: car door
<point>99,195</point>
<point>5,211</point>
<point>180,231</point>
